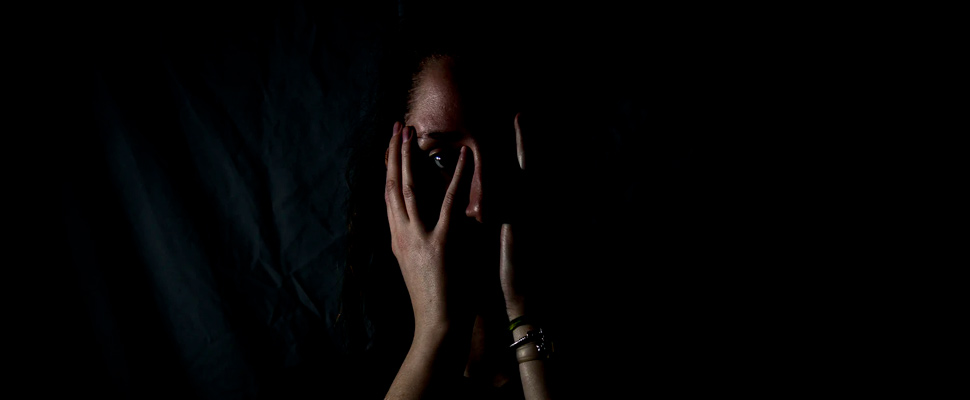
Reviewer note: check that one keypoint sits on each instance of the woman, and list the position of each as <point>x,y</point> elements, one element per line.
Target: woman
<point>453,200</point>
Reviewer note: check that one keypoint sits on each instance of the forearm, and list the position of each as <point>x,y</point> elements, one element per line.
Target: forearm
<point>532,366</point>
<point>431,362</point>
<point>533,371</point>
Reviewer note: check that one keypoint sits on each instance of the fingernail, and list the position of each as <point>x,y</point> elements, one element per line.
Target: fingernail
<point>406,137</point>
<point>397,127</point>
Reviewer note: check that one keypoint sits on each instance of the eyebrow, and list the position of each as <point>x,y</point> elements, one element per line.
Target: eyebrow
<point>452,135</point>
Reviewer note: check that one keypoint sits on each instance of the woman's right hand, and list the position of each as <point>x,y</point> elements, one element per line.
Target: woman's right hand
<point>420,252</point>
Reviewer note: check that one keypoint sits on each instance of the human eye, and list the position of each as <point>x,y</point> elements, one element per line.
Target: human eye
<point>444,159</point>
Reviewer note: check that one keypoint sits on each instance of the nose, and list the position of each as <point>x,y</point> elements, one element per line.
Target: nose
<point>475,198</point>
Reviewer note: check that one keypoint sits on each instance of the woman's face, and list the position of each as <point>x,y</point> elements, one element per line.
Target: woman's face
<point>442,127</point>
<point>441,119</point>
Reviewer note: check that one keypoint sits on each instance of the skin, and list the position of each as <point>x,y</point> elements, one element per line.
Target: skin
<point>425,243</point>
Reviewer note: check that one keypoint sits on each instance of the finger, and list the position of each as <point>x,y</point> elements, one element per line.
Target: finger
<point>519,147</point>
<point>407,178</point>
<point>450,194</point>
<point>392,187</point>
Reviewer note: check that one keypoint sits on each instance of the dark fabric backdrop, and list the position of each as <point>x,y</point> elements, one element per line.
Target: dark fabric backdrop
<point>204,196</point>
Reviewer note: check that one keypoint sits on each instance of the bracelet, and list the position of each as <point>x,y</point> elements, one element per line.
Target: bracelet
<point>521,320</point>
<point>529,336</point>
<point>544,346</point>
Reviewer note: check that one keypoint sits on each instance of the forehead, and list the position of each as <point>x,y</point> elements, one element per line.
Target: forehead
<point>435,104</point>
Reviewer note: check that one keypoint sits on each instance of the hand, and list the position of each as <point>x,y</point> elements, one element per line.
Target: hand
<point>514,296</point>
<point>420,252</point>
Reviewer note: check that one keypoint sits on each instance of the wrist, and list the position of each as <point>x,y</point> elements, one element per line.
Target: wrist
<point>434,333</point>
<point>521,330</point>
<point>429,311</point>
<point>530,349</point>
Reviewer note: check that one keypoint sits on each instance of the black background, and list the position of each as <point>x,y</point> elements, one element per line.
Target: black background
<point>202,213</point>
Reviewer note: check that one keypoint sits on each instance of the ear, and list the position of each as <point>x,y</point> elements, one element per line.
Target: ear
<point>519,147</point>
